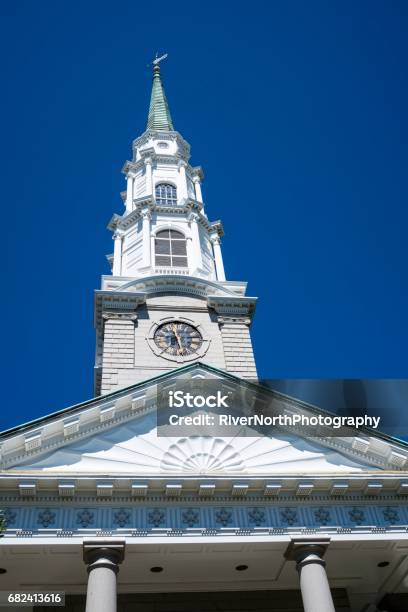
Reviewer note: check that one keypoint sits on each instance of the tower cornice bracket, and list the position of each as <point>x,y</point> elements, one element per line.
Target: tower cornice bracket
<point>114,222</point>
<point>130,166</point>
<point>217,227</point>
<point>114,302</point>
<point>197,171</point>
<point>148,154</point>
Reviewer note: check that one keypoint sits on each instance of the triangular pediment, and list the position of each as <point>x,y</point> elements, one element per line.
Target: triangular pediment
<point>134,449</point>
<point>117,435</point>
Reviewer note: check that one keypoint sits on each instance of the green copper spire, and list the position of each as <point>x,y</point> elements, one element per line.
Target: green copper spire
<point>159,114</point>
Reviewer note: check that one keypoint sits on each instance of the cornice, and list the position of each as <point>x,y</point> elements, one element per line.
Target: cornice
<point>237,305</point>
<point>193,285</point>
<point>236,535</point>
<point>133,293</point>
<point>162,158</point>
<point>155,489</point>
<point>148,155</point>
<point>188,206</point>
<point>162,135</point>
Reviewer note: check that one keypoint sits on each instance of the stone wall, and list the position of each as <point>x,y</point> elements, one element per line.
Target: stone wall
<point>118,349</point>
<point>128,358</point>
<point>238,352</point>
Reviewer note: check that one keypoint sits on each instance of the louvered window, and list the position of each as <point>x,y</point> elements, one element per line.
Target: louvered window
<point>170,249</point>
<point>166,195</point>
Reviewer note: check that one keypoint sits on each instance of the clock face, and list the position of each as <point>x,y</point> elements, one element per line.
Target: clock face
<point>178,339</point>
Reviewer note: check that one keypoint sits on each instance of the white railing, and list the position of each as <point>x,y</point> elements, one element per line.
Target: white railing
<point>165,270</point>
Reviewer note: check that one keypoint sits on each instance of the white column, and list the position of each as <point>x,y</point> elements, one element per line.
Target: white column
<point>103,559</point>
<point>183,180</point>
<point>197,186</point>
<point>152,251</point>
<point>197,262</point>
<point>146,216</point>
<point>117,254</point>
<point>219,264</point>
<point>149,176</point>
<point>314,585</point>
<point>129,193</point>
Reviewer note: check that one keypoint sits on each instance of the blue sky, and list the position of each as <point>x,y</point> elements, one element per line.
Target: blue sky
<point>296,111</point>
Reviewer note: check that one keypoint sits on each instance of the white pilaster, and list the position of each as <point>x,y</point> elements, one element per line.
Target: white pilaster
<point>149,176</point>
<point>146,217</point>
<point>129,193</point>
<point>197,187</point>
<point>183,180</point>
<point>117,254</point>
<point>152,251</point>
<point>219,264</point>
<point>190,254</point>
<point>197,262</point>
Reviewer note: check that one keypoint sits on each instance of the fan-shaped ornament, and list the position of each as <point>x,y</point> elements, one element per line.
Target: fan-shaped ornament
<point>202,455</point>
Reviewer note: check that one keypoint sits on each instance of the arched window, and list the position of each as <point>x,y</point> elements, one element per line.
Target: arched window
<point>166,195</point>
<point>170,249</point>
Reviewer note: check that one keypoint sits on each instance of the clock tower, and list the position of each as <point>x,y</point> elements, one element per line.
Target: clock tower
<point>167,301</point>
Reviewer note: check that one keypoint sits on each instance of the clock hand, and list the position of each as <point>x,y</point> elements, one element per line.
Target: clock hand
<point>177,338</point>
<point>176,334</point>
<point>180,345</point>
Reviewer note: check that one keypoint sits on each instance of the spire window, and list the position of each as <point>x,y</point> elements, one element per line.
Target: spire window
<point>166,195</point>
<point>170,249</point>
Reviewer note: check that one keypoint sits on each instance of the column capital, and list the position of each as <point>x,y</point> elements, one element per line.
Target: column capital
<point>117,235</point>
<point>233,320</point>
<point>300,548</point>
<point>182,163</point>
<point>113,551</point>
<point>148,161</point>
<point>122,315</point>
<point>192,217</point>
<point>145,213</point>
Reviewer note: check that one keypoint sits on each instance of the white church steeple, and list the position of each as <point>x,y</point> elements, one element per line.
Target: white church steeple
<point>163,194</point>
<point>167,302</point>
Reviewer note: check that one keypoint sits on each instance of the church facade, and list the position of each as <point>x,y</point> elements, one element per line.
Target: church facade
<point>100,507</point>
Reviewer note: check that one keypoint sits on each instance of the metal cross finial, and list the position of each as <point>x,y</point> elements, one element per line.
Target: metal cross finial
<point>157,60</point>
